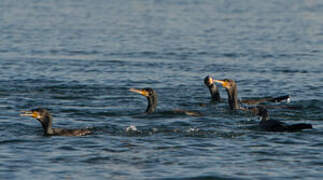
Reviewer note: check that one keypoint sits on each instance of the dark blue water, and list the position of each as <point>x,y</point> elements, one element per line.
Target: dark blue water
<point>79,58</point>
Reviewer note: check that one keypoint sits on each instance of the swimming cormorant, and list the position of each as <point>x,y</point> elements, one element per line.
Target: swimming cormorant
<point>274,125</point>
<point>215,94</point>
<point>151,96</point>
<point>232,91</point>
<point>214,90</point>
<point>45,118</point>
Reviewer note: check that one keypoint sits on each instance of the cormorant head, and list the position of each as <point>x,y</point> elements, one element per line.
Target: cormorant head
<point>40,114</point>
<point>151,96</point>
<point>227,83</point>
<point>147,92</point>
<point>262,112</point>
<point>208,81</point>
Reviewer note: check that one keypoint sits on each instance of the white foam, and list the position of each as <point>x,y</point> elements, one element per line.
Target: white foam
<point>131,128</point>
<point>193,130</point>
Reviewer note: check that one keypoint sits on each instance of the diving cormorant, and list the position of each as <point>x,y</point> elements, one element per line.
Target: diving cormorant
<point>274,125</point>
<point>45,118</point>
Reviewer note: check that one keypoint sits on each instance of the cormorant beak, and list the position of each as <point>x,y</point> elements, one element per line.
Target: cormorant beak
<point>223,83</point>
<point>139,91</point>
<point>30,114</point>
<point>208,80</point>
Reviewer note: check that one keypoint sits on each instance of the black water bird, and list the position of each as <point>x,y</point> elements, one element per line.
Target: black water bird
<point>152,99</point>
<point>274,125</point>
<point>45,118</point>
<point>214,90</point>
<point>232,91</point>
<point>151,96</point>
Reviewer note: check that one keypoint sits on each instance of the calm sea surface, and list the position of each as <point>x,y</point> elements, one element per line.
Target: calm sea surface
<point>78,58</point>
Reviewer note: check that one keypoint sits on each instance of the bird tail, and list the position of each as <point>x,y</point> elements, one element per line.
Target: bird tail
<point>298,127</point>
<point>280,98</point>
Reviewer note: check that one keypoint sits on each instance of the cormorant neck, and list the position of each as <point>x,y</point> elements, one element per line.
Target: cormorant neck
<point>264,116</point>
<point>233,97</point>
<point>46,122</point>
<point>214,91</point>
<point>152,103</point>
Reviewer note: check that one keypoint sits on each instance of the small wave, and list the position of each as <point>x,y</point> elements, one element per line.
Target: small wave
<point>203,177</point>
<point>14,141</point>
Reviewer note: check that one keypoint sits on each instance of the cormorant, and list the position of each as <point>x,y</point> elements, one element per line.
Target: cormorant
<point>151,96</point>
<point>45,118</point>
<point>274,125</point>
<point>231,88</point>
<point>232,91</point>
<point>214,90</point>
<point>215,94</point>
